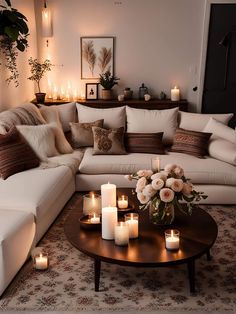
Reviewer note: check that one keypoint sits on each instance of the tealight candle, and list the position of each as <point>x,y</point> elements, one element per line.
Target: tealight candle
<point>121,234</point>
<point>40,259</point>
<point>95,219</point>
<point>156,164</point>
<point>108,194</point>
<point>172,239</point>
<point>132,221</point>
<point>109,221</point>
<point>123,201</point>
<point>175,94</point>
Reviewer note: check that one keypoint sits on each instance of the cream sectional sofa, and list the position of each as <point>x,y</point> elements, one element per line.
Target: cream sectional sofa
<point>31,200</point>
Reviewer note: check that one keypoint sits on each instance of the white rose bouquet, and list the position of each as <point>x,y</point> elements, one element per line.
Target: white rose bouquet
<point>168,186</point>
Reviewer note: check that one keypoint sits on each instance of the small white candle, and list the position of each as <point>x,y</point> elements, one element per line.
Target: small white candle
<point>121,234</point>
<point>95,219</point>
<point>156,164</point>
<point>172,239</point>
<point>41,262</point>
<point>175,94</point>
<point>108,194</point>
<point>123,201</point>
<point>109,221</point>
<point>132,221</point>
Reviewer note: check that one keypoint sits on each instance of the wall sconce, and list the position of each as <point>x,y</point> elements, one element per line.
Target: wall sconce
<point>46,22</point>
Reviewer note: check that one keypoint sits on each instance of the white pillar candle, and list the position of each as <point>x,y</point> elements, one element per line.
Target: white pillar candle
<point>91,204</point>
<point>156,164</point>
<point>109,221</point>
<point>123,201</point>
<point>175,94</point>
<point>95,219</point>
<point>121,234</point>
<point>108,194</point>
<point>41,262</point>
<point>132,221</point>
<point>172,239</point>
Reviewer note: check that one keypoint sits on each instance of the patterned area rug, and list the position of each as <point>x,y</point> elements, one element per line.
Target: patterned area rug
<point>68,285</point>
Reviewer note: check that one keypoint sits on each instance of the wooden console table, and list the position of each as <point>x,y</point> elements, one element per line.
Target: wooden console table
<point>134,103</point>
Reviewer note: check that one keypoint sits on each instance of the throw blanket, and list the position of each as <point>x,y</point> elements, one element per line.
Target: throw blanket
<point>27,114</point>
<point>69,160</point>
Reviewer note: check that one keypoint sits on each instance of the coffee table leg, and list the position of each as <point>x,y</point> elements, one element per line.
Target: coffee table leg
<point>191,275</point>
<point>208,254</point>
<point>97,268</point>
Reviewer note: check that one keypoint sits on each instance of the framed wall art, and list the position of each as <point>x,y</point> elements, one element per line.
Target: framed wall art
<point>97,56</point>
<point>91,91</point>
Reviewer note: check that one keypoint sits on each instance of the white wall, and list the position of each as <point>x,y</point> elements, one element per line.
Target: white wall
<point>158,42</point>
<point>11,96</point>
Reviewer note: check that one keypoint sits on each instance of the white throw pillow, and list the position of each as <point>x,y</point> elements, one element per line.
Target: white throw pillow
<point>218,129</point>
<point>197,121</point>
<point>41,138</point>
<point>153,121</point>
<point>222,149</point>
<point>51,115</point>
<point>113,117</point>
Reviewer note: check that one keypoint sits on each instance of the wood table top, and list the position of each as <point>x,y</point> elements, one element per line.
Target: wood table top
<point>198,233</point>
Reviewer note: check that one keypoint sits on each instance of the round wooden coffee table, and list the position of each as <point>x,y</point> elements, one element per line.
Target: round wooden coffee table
<point>198,233</point>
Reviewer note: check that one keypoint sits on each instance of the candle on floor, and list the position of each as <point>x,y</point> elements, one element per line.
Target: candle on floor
<point>108,194</point>
<point>175,94</point>
<point>109,221</point>
<point>132,221</point>
<point>121,234</point>
<point>91,204</point>
<point>95,219</point>
<point>41,261</point>
<point>123,201</point>
<point>172,239</point>
<point>156,164</point>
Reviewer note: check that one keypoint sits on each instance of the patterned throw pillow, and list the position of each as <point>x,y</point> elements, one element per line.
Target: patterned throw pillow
<point>15,154</point>
<point>191,142</point>
<point>144,143</point>
<point>108,141</point>
<point>82,134</point>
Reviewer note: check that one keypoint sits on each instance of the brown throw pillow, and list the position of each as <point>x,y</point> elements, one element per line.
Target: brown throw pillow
<point>82,134</point>
<point>108,142</point>
<point>191,142</point>
<point>15,154</point>
<point>150,143</point>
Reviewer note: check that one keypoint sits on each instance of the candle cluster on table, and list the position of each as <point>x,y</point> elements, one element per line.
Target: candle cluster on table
<point>56,92</point>
<point>172,239</point>
<point>132,221</point>
<point>40,259</point>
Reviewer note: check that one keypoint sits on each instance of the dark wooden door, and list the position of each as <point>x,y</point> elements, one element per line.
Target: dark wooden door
<point>219,94</point>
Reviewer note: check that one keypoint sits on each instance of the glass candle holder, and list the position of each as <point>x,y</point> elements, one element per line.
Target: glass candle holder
<point>121,234</point>
<point>123,201</point>
<point>132,220</point>
<point>156,164</point>
<point>172,239</point>
<point>40,259</point>
<point>91,204</point>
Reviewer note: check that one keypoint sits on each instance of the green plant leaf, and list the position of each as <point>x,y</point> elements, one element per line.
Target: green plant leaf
<point>11,32</point>
<point>20,46</point>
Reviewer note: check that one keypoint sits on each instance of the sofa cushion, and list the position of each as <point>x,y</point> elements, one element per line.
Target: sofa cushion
<point>222,149</point>
<point>15,154</point>
<point>202,171</point>
<point>144,143</point>
<point>17,232</point>
<point>153,121</point>
<point>218,129</point>
<point>82,134</point>
<point>41,138</point>
<point>113,117</point>
<point>191,142</point>
<point>108,141</point>
<point>197,121</point>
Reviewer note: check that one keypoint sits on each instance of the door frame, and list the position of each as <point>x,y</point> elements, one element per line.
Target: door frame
<point>206,23</point>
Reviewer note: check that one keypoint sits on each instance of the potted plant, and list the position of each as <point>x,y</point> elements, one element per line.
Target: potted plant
<point>13,38</point>
<point>107,81</point>
<point>38,70</point>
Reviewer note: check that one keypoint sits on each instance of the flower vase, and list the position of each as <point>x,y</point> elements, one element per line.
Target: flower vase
<point>161,213</point>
